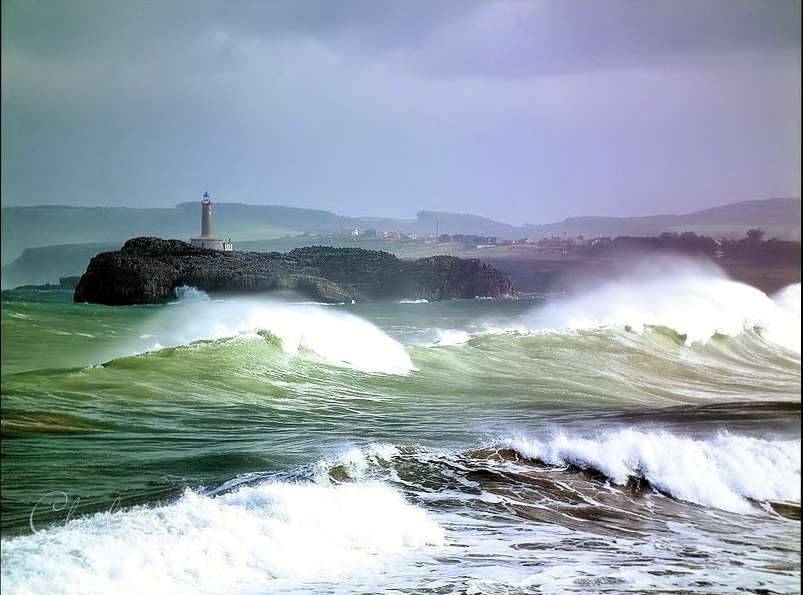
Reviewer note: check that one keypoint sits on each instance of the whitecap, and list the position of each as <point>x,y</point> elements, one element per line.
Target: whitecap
<point>248,538</point>
<point>725,471</point>
<point>339,338</point>
<point>694,299</point>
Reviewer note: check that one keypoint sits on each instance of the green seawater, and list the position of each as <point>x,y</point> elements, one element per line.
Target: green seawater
<point>513,415</point>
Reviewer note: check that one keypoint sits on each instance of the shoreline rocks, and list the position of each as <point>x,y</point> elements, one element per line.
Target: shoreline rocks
<point>148,271</point>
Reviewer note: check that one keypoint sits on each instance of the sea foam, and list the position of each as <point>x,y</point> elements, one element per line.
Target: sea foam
<point>692,298</point>
<point>450,338</point>
<point>187,293</point>
<point>723,472</point>
<point>339,338</point>
<point>247,538</point>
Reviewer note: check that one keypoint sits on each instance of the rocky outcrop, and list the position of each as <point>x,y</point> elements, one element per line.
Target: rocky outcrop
<point>148,271</point>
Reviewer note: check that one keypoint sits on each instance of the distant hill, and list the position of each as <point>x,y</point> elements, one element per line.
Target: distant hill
<point>32,227</point>
<point>37,266</point>
<point>452,223</point>
<point>61,240</point>
<point>778,217</point>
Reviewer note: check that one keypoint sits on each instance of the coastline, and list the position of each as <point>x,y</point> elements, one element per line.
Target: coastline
<point>532,270</point>
<point>532,274</point>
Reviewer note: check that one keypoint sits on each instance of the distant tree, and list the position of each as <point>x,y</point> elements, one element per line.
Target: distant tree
<point>752,248</point>
<point>467,239</point>
<point>444,237</point>
<point>778,251</point>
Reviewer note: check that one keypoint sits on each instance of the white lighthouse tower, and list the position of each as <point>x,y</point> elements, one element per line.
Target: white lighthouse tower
<point>207,239</point>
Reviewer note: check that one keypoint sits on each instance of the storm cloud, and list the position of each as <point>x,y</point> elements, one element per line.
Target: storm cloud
<point>516,110</point>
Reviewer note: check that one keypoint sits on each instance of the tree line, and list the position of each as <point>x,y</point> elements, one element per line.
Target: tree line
<point>753,247</point>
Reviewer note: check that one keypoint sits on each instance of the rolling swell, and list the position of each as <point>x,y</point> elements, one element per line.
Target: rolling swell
<point>521,456</point>
<point>608,344</point>
<point>255,351</point>
<point>368,515</point>
<point>336,337</point>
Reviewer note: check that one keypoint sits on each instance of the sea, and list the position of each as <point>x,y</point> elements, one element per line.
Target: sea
<point>637,433</point>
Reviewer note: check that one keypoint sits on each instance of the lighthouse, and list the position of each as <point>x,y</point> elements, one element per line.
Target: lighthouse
<point>207,239</point>
<point>206,216</point>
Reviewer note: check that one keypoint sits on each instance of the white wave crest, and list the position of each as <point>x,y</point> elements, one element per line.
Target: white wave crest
<point>784,327</point>
<point>252,537</point>
<point>187,293</point>
<point>692,299</point>
<point>340,338</point>
<point>722,472</point>
<point>356,461</point>
<point>450,337</point>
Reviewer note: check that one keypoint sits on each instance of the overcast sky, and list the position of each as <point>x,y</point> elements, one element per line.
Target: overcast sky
<point>517,110</point>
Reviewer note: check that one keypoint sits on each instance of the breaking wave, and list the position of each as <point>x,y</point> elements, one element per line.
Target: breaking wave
<point>345,518</point>
<point>726,471</point>
<point>682,295</point>
<point>339,338</point>
<point>187,293</point>
<point>250,537</point>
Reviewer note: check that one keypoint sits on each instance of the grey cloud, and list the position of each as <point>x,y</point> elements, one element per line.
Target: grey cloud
<point>512,38</point>
<point>505,37</point>
<point>390,107</point>
<point>520,37</point>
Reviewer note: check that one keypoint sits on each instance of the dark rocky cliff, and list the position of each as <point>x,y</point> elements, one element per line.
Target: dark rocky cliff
<point>148,270</point>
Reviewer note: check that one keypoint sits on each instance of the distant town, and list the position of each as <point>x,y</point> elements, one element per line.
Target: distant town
<point>753,245</point>
<point>549,246</point>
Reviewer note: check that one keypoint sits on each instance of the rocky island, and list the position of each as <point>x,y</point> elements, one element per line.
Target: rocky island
<point>148,271</point>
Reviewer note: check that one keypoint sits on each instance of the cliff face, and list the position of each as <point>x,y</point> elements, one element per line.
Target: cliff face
<point>148,270</point>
